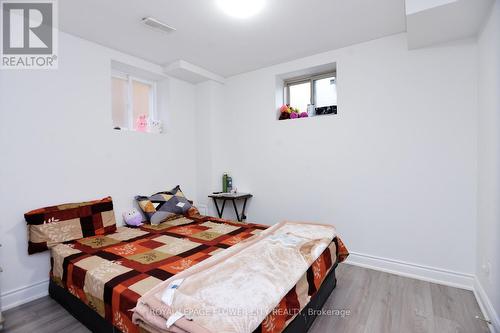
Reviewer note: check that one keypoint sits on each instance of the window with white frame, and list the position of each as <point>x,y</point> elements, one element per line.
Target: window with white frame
<point>133,102</point>
<point>314,94</point>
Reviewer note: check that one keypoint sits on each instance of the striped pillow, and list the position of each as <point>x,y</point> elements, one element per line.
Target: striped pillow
<point>52,225</point>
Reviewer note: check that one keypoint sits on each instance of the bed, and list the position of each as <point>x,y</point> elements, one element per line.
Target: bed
<point>100,278</point>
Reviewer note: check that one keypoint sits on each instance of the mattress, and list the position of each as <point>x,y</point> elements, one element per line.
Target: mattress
<point>110,273</point>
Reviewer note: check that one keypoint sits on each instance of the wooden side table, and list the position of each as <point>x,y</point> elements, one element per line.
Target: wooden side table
<point>231,197</point>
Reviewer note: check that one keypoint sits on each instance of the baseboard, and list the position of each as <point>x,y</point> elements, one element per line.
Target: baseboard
<point>486,306</point>
<point>420,272</point>
<point>26,294</point>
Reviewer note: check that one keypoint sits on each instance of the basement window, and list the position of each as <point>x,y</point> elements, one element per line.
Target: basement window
<point>313,94</point>
<point>133,102</point>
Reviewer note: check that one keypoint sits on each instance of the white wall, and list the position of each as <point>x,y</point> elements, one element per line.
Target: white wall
<point>488,218</point>
<point>57,145</point>
<point>209,109</point>
<point>395,170</point>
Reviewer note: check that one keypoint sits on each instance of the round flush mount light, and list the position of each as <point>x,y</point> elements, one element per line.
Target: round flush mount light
<point>241,8</point>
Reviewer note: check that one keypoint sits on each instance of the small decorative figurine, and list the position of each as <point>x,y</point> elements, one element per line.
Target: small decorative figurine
<point>141,124</point>
<point>155,126</point>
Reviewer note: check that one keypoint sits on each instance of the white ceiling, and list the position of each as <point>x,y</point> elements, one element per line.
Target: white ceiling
<point>205,36</point>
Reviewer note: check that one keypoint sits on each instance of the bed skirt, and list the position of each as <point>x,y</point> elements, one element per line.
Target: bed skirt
<point>94,322</point>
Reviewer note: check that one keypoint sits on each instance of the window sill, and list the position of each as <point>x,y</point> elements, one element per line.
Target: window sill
<point>316,116</point>
<point>117,129</point>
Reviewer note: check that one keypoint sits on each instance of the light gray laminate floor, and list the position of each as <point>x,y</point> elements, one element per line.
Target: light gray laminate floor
<point>375,301</point>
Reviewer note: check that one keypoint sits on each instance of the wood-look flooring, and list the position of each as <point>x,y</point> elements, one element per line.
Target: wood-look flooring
<point>372,301</point>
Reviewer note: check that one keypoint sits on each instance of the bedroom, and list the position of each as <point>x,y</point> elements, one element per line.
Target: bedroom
<point>391,136</point>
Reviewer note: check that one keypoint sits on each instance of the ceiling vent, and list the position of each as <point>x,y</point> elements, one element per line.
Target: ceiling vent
<point>157,25</point>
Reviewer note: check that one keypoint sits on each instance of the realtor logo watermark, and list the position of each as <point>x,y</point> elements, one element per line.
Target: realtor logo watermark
<point>29,34</point>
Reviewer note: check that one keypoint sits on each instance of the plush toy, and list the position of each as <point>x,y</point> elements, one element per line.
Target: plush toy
<point>284,115</point>
<point>286,112</point>
<point>141,124</point>
<point>155,126</point>
<point>132,218</point>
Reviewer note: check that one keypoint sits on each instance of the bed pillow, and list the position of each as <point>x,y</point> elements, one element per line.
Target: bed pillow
<point>163,206</point>
<point>50,226</point>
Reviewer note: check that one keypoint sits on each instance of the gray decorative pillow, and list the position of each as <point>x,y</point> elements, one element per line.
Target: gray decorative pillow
<point>162,206</point>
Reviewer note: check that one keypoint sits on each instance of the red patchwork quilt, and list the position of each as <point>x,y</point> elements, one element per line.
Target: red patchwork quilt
<point>111,272</point>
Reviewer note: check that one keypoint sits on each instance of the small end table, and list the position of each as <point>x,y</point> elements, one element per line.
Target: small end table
<point>232,197</point>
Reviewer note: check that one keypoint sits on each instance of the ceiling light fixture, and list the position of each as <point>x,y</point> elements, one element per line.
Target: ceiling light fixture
<point>241,8</point>
<point>157,25</point>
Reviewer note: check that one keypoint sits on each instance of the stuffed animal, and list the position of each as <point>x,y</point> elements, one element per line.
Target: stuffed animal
<point>284,115</point>
<point>286,112</point>
<point>141,124</point>
<point>285,108</point>
<point>155,126</point>
<point>132,218</point>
